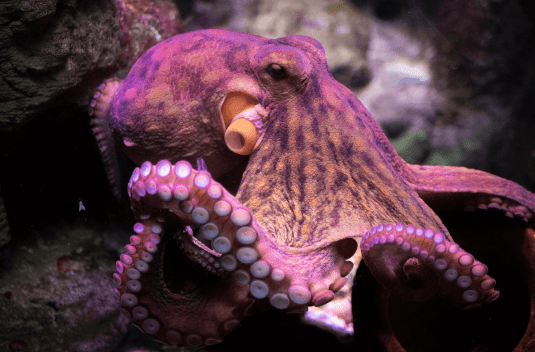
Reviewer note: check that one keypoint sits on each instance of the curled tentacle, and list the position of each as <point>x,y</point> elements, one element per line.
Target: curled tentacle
<point>418,263</point>
<point>221,239</point>
<point>139,277</point>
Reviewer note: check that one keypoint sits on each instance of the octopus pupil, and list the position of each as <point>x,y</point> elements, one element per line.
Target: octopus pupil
<point>276,71</point>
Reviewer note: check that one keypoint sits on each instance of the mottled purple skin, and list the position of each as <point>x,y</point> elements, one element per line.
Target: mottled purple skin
<point>323,171</point>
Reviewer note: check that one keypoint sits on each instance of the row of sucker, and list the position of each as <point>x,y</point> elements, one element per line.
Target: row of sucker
<point>228,241</point>
<point>398,254</point>
<point>511,208</point>
<point>132,268</point>
<point>101,101</point>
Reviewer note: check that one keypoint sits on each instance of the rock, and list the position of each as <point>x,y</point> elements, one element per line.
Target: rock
<point>50,47</point>
<point>55,54</point>
<point>56,51</point>
<point>145,23</point>
<point>51,306</point>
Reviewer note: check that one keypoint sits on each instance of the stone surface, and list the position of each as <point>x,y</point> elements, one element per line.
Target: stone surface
<point>50,47</point>
<point>57,293</point>
<point>145,23</point>
<point>400,95</point>
<point>58,50</point>
<point>55,54</point>
<point>56,275</point>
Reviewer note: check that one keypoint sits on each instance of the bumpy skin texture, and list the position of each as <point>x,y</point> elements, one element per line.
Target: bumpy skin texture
<point>321,174</point>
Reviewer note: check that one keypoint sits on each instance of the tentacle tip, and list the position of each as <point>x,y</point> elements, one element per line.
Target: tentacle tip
<point>472,306</point>
<point>212,341</point>
<point>201,165</point>
<point>338,284</point>
<point>230,324</point>
<point>323,298</point>
<point>494,296</point>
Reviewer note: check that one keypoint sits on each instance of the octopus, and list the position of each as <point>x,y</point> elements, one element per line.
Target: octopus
<point>319,179</point>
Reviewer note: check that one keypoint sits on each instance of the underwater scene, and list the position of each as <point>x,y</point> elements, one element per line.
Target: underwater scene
<point>253,175</point>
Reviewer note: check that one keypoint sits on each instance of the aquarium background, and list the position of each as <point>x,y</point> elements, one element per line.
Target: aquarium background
<point>451,82</point>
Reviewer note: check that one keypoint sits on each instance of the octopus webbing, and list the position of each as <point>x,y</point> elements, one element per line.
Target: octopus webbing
<point>319,175</point>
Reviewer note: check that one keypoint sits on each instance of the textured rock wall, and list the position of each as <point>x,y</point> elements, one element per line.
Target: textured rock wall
<point>48,47</point>
<point>53,55</point>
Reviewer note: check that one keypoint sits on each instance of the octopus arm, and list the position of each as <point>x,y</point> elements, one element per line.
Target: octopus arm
<point>449,189</point>
<point>507,246</point>
<point>419,263</point>
<point>99,109</point>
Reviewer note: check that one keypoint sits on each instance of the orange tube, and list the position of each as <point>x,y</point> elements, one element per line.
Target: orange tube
<point>240,137</point>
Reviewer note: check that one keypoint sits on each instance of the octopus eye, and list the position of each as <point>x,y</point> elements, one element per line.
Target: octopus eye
<point>276,71</point>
